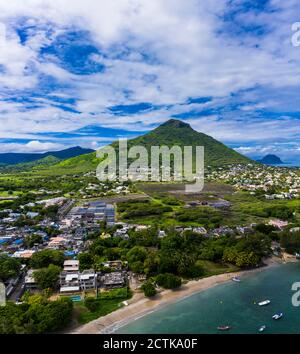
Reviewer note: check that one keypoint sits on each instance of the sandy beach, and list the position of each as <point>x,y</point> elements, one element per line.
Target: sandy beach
<point>139,306</point>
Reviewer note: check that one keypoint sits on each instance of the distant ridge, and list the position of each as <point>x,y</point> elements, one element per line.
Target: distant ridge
<point>271,160</point>
<point>20,158</point>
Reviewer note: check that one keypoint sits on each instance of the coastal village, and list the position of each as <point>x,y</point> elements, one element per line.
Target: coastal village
<point>68,230</point>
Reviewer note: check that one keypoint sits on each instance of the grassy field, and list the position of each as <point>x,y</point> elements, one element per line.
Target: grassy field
<point>211,268</point>
<point>107,302</point>
<point>178,189</point>
<point>83,315</point>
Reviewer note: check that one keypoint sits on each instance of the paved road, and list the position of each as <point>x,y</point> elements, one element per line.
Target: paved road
<point>18,292</point>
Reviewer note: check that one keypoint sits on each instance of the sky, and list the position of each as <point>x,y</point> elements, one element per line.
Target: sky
<point>76,72</point>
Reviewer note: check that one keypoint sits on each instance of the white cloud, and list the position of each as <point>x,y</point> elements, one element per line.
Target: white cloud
<point>31,147</point>
<point>189,53</point>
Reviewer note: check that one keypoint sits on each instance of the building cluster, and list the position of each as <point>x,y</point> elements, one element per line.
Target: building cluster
<point>272,182</point>
<point>102,189</point>
<point>72,280</point>
<point>67,233</point>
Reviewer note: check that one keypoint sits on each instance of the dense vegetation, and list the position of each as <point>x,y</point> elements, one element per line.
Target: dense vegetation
<point>9,267</point>
<point>36,315</point>
<point>180,255</point>
<point>47,278</point>
<point>290,241</point>
<point>43,259</point>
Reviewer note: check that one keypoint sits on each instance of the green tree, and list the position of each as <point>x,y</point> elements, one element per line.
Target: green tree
<point>9,267</point>
<point>91,304</point>
<point>168,281</point>
<point>149,289</point>
<point>43,259</point>
<point>30,241</point>
<point>47,278</point>
<point>86,260</point>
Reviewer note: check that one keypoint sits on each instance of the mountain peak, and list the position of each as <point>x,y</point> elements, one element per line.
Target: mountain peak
<point>175,123</point>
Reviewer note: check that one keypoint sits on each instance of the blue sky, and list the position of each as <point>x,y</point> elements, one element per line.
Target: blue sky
<point>86,72</point>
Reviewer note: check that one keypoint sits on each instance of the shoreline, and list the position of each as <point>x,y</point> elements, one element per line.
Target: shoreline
<point>139,306</point>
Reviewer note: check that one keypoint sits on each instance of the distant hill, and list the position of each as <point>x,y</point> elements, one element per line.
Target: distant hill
<point>271,160</point>
<point>19,158</point>
<point>172,132</point>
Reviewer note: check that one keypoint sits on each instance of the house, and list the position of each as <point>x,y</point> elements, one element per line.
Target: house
<point>69,282</point>
<point>116,265</point>
<point>114,280</point>
<point>88,280</point>
<point>30,282</point>
<point>71,266</point>
<point>200,230</point>
<point>244,230</point>
<point>57,242</point>
<point>26,254</point>
<point>280,224</point>
<point>161,234</point>
<point>295,229</point>
<point>75,281</point>
<point>32,215</point>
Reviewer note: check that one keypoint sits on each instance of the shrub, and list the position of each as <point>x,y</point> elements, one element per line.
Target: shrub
<point>168,281</point>
<point>149,289</point>
<point>91,304</point>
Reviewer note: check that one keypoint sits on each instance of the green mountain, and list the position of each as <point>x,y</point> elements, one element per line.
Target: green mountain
<point>170,133</point>
<point>175,132</point>
<point>20,158</point>
<point>43,163</point>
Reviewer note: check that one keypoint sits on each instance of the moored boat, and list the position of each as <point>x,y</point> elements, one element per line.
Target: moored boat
<point>236,279</point>
<point>264,303</point>
<point>224,328</point>
<point>262,328</point>
<point>277,316</point>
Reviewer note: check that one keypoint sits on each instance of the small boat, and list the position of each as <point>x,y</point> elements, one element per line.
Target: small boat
<point>277,316</point>
<point>224,328</point>
<point>236,279</point>
<point>264,303</point>
<point>262,328</point>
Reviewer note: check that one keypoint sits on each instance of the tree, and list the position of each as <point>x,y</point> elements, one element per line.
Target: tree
<point>168,281</point>
<point>85,260</point>
<point>46,257</point>
<point>35,316</point>
<point>47,278</point>
<point>230,255</point>
<point>149,289</point>
<point>245,259</point>
<point>137,254</point>
<point>91,304</point>
<point>9,267</point>
<point>290,241</point>
<point>30,241</point>
<point>137,267</point>
<point>195,271</point>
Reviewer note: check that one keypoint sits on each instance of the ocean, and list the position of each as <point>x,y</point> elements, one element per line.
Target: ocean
<point>233,304</point>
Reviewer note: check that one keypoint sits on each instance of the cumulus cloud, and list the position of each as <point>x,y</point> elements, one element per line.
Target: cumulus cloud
<point>64,63</point>
<point>33,146</point>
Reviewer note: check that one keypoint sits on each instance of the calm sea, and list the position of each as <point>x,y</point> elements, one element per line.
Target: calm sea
<point>233,304</point>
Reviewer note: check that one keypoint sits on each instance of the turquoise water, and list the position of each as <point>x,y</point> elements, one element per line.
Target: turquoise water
<point>75,298</point>
<point>233,304</point>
